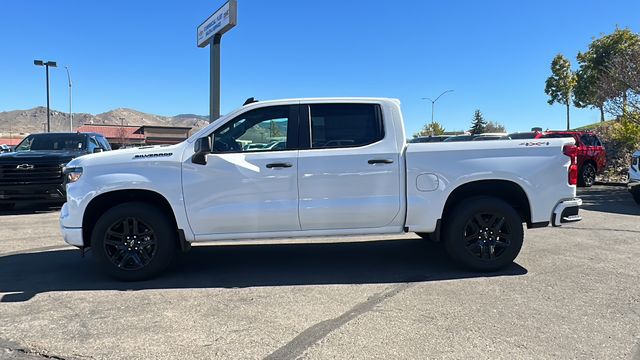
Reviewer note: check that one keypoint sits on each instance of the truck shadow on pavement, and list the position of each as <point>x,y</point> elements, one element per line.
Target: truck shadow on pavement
<point>610,199</point>
<point>22,276</point>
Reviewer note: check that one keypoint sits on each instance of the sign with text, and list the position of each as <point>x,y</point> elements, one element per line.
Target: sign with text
<point>220,22</point>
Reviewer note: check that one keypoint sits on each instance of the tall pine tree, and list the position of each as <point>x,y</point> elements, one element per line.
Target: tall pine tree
<point>479,124</point>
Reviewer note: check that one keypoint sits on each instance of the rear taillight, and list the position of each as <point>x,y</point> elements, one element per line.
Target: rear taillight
<point>572,152</point>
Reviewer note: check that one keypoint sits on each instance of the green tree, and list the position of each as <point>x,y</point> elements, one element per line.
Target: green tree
<point>593,66</point>
<point>274,130</point>
<point>495,127</point>
<point>431,129</point>
<point>478,124</point>
<point>559,86</point>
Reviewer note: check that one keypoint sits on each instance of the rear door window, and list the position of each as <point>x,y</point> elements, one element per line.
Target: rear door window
<point>345,125</point>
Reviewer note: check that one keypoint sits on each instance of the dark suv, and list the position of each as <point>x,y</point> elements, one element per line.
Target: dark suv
<point>592,157</point>
<point>32,172</point>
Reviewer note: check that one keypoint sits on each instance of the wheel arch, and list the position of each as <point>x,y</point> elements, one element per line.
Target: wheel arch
<point>508,191</point>
<point>105,201</point>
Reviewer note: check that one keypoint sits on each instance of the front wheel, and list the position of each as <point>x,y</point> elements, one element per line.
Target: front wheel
<point>483,234</point>
<point>587,175</point>
<point>134,241</point>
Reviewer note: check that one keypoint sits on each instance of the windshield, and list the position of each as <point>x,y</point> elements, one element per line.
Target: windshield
<point>52,142</point>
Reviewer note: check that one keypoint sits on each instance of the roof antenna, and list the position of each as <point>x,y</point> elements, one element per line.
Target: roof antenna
<point>250,100</point>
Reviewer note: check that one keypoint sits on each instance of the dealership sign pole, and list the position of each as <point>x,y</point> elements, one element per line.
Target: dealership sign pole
<point>210,33</point>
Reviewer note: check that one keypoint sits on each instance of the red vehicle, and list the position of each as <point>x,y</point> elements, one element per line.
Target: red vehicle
<point>592,158</point>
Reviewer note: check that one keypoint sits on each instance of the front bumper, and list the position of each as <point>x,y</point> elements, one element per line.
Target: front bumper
<point>54,193</point>
<point>566,212</point>
<point>72,235</point>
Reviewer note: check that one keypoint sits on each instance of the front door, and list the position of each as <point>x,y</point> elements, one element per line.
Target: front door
<point>249,184</point>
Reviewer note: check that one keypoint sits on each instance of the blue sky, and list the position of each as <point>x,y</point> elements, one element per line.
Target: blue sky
<point>142,54</point>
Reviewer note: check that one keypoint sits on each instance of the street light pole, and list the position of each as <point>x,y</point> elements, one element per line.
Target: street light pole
<point>46,65</point>
<point>433,102</point>
<point>70,101</point>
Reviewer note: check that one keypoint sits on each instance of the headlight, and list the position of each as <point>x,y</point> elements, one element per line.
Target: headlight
<point>72,174</point>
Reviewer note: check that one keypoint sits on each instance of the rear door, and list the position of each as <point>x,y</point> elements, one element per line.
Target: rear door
<point>349,167</point>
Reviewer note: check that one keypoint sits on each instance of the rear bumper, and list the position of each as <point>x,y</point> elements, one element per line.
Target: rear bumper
<point>54,193</point>
<point>566,211</point>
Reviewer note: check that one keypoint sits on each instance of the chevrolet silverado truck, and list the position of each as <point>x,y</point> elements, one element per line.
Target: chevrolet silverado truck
<point>32,172</point>
<point>345,168</point>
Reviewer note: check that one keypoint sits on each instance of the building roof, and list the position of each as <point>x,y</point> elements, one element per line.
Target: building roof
<point>10,142</point>
<point>114,131</point>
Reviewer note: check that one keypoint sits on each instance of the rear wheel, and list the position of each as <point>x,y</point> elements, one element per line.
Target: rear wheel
<point>636,197</point>
<point>587,175</point>
<point>483,234</point>
<point>134,241</point>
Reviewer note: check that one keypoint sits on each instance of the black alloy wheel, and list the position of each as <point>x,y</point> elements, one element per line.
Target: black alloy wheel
<point>482,233</point>
<point>134,241</point>
<point>130,243</point>
<point>487,235</point>
<point>587,175</point>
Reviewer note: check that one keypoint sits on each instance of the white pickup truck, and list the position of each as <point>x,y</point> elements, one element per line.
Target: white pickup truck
<point>315,167</point>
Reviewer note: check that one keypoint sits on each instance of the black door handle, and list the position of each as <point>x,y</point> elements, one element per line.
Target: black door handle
<point>279,165</point>
<point>380,161</point>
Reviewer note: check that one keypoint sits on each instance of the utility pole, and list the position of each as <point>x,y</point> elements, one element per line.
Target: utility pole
<point>46,65</point>
<point>70,102</point>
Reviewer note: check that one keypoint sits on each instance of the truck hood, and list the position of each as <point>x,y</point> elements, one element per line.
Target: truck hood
<point>129,157</point>
<point>63,156</point>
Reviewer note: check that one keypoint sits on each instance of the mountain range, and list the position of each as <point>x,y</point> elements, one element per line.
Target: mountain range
<point>34,120</point>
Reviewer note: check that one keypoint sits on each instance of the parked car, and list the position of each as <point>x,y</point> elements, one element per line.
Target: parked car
<point>33,171</point>
<point>460,138</point>
<point>483,137</point>
<point>592,157</point>
<point>136,208</point>
<point>634,177</point>
<point>428,139</point>
<point>4,148</point>
<point>524,135</point>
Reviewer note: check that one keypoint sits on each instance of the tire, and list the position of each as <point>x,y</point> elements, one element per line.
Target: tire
<point>487,252</point>
<point>587,175</point>
<point>134,241</point>
<point>636,197</point>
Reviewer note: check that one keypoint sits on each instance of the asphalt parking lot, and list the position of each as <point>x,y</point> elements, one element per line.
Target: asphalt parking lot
<point>573,293</point>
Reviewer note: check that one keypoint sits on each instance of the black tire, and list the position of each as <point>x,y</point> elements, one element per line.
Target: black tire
<point>488,249</point>
<point>636,197</point>
<point>587,175</point>
<point>134,241</point>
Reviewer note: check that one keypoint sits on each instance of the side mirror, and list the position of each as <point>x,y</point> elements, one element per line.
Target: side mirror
<point>98,150</point>
<point>202,148</point>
